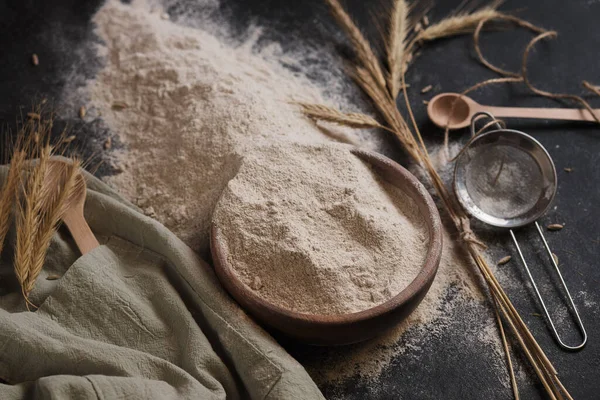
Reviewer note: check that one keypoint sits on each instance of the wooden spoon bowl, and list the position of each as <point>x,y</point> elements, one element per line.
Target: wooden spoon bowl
<point>354,327</point>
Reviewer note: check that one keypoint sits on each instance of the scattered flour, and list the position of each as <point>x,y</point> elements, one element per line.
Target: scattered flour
<point>431,318</point>
<point>503,181</point>
<point>587,300</point>
<point>196,105</point>
<point>314,230</point>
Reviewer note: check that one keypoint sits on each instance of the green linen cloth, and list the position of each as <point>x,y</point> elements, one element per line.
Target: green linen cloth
<point>140,317</point>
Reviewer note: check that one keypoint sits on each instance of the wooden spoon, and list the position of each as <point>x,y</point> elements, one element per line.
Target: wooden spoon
<point>76,223</point>
<point>463,108</point>
<point>73,217</point>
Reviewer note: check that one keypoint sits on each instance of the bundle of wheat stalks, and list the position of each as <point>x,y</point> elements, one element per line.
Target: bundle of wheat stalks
<point>382,85</point>
<point>37,193</point>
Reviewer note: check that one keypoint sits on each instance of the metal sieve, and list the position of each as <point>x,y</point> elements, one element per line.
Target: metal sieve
<point>507,179</point>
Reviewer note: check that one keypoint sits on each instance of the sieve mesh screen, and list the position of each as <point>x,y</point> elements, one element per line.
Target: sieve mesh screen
<point>503,181</point>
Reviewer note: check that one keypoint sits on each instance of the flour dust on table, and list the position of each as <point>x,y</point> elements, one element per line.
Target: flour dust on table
<point>184,105</point>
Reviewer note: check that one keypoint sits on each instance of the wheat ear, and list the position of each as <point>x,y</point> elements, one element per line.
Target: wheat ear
<point>9,192</point>
<point>457,24</point>
<point>395,45</point>
<point>54,202</point>
<point>364,52</point>
<point>329,114</point>
<point>28,217</point>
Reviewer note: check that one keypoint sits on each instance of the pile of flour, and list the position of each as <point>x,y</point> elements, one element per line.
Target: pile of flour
<point>314,230</point>
<point>194,106</point>
<point>197,104</point>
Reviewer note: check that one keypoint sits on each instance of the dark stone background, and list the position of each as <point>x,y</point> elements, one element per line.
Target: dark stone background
<point>450,364</point>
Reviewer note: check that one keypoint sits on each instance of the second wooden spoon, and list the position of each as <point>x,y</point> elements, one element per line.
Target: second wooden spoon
<point>456,111</point>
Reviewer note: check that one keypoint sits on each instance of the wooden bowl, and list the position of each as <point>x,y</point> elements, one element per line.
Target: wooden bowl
<point>354,327</point>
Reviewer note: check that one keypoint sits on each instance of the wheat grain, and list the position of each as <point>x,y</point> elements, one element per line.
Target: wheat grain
<point>329,114</point>
<point>119,105</point>
<point>69,139</point>
<point>504,260</point>
<point>395,45</point>
<point>555,227</point>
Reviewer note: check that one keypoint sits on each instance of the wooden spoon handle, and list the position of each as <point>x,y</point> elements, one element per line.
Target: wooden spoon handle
<point>80,230</point>
<point>566,114</point>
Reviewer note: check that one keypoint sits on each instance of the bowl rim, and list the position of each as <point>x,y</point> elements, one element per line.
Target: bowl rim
<point>237,288</point>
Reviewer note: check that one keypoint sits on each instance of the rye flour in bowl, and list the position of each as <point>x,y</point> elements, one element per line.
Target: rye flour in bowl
<point>312,229</point>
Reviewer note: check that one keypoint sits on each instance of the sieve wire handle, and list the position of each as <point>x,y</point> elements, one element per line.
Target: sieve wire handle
<point>479,115</point>
<point>579,323</point>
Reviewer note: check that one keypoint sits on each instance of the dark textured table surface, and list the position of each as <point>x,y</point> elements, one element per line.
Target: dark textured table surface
<point>449,364</point>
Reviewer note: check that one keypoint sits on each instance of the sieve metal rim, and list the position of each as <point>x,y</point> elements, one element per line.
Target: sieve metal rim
<point>468,205</point>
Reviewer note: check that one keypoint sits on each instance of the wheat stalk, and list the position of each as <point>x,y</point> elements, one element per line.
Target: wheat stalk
<point>363,49</point>
<point>9,192</point>
<point>541,364</point>
<point>415,147</point>
<point>36,185</point>
<point>22,247</point>
<point>457,24</point>
<point>395,45</point>
<point>62,181</point>
<point>28,217</point>
<point>42,190</point>
<point>329,114</point>
<point>386,105</point>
